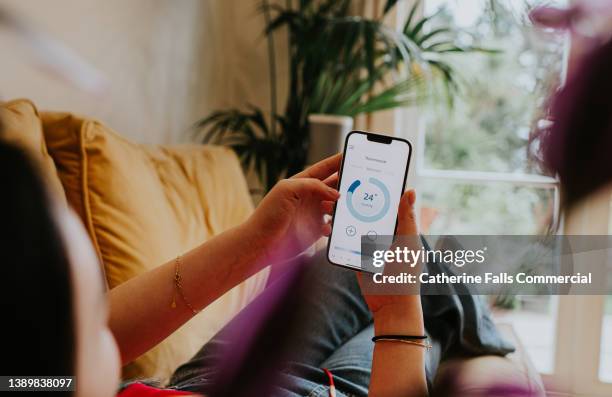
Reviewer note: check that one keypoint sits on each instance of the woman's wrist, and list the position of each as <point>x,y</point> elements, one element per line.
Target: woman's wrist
<point>239,250</point>
<point>251,237</point>
<point>404,317</point>
<point>251,244</point>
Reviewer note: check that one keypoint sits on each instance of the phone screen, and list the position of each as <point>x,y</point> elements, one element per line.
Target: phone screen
<point>372,179</point>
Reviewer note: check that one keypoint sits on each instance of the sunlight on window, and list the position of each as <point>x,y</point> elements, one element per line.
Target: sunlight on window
<point>498,208</point>
<point>502,90</point>
<point>502,93</point>
<point>465,14</point>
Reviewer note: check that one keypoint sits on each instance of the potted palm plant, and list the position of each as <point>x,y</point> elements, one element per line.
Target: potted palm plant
<point>340,65</point>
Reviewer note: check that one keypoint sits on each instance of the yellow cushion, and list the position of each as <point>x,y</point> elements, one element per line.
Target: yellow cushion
<point>144,205</point>
<point>21,125</point>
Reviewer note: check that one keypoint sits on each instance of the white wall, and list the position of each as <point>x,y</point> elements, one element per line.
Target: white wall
<point>169,62</point>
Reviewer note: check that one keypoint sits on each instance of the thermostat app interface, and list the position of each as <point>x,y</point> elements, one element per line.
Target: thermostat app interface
<point>370,189</point>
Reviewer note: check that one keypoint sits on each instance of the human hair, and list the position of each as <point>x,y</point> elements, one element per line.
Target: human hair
<point>36,292</point>
<point>578,145</point>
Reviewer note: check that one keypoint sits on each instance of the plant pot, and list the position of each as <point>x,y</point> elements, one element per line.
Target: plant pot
<point>327,134</point>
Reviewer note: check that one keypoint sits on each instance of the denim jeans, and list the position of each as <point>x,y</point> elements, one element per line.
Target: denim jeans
<point>337,337</point>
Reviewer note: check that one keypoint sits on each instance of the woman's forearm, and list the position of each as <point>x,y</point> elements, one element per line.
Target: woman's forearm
<point>288,220</point>
<point>398,369</point>
<point>141,312</point>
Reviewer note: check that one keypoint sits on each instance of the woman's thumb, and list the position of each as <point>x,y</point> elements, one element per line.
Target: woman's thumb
<point>406,219</point>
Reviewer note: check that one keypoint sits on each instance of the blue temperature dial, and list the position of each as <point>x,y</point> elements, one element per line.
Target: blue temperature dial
<point>369,197</point>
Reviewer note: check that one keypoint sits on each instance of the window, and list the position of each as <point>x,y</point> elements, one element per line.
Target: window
<point>473,170</point>
<point>473,175</point>
<point>474,163</point>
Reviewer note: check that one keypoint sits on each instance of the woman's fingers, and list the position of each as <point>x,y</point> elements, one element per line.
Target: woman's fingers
<point>406,219</point>
<point>327,207</point>
<point>326,229</point>
<point>305,188</point>
<point>319,189</point>
<point>332,180</point>
<point>407,234</point>
<point>323,169</point>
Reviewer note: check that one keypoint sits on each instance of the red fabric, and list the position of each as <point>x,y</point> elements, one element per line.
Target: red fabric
<point>140,390</point>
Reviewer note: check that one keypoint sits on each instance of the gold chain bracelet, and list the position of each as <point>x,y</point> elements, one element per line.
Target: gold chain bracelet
<point>178,287</point>
<point>408,342</point>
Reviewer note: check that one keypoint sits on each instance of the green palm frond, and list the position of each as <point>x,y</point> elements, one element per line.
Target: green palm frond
<point>247,133</point>
<point>339,64</point>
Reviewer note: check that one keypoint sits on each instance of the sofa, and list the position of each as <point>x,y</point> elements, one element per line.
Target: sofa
<point>141,205</point>
<point>144,204</point>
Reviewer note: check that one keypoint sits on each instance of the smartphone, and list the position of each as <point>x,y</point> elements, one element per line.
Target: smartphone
<point>372,179</point>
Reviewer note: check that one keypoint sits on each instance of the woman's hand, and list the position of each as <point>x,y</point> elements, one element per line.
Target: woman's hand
<point>290,218</point>
<point>398,312</point>
<point>398,369</point>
